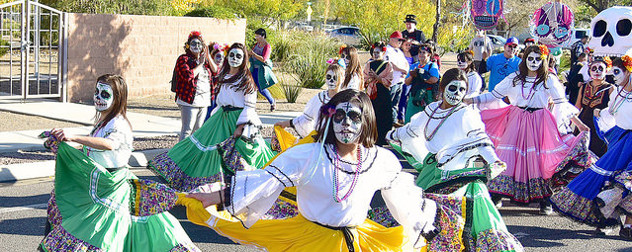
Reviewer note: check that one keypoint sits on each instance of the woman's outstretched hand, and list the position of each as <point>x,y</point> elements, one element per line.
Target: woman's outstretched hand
<point>207,199</point>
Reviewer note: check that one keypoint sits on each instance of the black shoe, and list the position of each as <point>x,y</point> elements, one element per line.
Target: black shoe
<point>545,207</point>
<point>626,233</point>
<point>498,200</point>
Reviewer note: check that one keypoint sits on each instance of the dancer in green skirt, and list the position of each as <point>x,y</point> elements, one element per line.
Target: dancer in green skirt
<point>232,132</point>
<point>93,207</point>
<point>458,159</point>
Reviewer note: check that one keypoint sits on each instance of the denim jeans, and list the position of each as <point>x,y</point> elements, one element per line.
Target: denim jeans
<point>396,93</point>
<point>403,102</point>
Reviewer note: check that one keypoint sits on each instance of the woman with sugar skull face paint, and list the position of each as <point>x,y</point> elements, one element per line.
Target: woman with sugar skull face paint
<point>378,75</point>
<point>336,177</point>
<point>465,62</point>
<point>231,133</point>
<point>595,94</point>
<point>602,193</point>
<point>353,69</point>
<point>261,66</point>
<point>529,137</point>
<point>217,55</point>
<point>80,219</point>
<point>305,124</point>
<point>447,144</point>
<point>194,71</point>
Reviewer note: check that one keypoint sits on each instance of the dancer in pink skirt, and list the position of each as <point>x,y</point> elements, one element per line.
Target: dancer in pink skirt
<point>531,138</point>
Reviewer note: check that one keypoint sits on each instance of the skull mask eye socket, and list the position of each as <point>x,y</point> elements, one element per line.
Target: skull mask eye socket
<point>600,28</point>
<point>452,88</point>
<point>105,94</point>
<point>624,26</point>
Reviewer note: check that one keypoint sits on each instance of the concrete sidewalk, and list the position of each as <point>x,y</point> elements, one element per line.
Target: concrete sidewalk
<point>143,126</point>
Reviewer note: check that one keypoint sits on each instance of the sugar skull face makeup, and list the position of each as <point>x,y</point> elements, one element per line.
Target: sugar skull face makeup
<point>196,46</point>
<point>534,61</point>
<point>219,58</point>
<point>235,57</point>
<point>619,75</point>
<point>461,64</point>
<point>347,122</point>
<point>597,70</point>
<point>331,79</point>
<point>454,92</point>
<point>103,97</point>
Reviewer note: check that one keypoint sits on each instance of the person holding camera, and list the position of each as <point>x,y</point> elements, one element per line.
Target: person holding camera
<point>193,73</point>
<point>423,80</point>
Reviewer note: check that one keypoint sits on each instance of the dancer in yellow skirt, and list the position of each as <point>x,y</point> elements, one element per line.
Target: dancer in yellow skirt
<point>336,179</point>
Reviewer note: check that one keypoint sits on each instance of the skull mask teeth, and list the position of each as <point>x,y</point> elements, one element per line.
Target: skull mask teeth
<point>103,96</point>
<point>612,32</point>
<point>454,92</point>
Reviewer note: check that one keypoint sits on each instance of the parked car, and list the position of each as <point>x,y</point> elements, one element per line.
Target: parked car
<point>498,43</point>
<point>578,34</point>
<point>349,35</point>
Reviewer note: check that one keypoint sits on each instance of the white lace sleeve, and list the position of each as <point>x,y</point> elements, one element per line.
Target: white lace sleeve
<point>408,206</point>
<point>305,123</point>
<point>562,110</point>
<point>252,193</point>
<point>249,114</point>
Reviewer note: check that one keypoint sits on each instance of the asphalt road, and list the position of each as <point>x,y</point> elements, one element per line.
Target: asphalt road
<point>23,213</point>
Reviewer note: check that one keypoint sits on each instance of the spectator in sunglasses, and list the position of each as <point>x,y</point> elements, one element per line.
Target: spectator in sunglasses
<point>502,64</point>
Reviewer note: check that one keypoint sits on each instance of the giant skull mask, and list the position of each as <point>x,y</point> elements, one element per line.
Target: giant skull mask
<point>552,24</point>
<point>611,32</point>
<point>486,13</point>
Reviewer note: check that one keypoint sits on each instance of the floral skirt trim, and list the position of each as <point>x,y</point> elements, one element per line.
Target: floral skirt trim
<point>624,178</point>
<point>496,240</point>
<point>281,210</point>
<point>61,240</point>
<point>578,160</point>
<point>535,189</point>
<point>163,166</point>
<point>579,208</point>
<point>54,217</point>
<point>149,197</point>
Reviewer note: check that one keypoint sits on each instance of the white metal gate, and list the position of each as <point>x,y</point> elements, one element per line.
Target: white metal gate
<point>32,51</point>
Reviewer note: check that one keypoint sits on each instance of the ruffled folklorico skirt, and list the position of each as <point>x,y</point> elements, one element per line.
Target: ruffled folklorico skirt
<point>609,181</point>
<point>537,156</point>
<point>203,157</point>
<point>94,210</point>
<point>484,228</point>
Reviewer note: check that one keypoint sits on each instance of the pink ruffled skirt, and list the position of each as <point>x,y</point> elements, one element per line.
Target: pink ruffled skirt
<point>531,145</point>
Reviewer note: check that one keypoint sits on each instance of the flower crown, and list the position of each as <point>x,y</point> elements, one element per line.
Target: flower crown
<point>544,51</point>
<point>328,110</point>
<point>608,61</point>
<point>627,62</point>
<point>195,34</point>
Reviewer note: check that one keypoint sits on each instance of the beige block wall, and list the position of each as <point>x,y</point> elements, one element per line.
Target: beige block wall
<point>142,49</point>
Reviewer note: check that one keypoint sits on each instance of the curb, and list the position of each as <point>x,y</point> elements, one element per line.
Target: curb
<point>15,172</point>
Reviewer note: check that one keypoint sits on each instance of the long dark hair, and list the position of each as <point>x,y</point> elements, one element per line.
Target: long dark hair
<point>542,72</point>
<point>368,132</point>
<point>119,104</point>
<point>354,67</point>
<point>246,84</point>
<point>467,56</point>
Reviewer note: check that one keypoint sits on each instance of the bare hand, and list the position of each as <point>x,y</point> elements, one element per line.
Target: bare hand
<point>468,100</point>
<point>283,124</point>
<point>582,127</point>
<point>597,112</point>
<point>60,135</point>
<point>238,131</point>
<point>207,199</point>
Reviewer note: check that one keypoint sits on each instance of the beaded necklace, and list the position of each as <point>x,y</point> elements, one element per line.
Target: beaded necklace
<point>356,174</point>
<point>432,135</point>
<point>619,102</point>
<point>531,90</point>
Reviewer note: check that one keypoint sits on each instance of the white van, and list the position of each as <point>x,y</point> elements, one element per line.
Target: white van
<point>578,34</point>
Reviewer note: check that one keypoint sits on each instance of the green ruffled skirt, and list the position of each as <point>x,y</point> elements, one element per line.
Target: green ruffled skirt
<point>485,229</point>
<point>209,153</point>
<point>93,210</point>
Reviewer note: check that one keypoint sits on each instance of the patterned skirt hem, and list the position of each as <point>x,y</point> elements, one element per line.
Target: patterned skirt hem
<point>164,167</point>
<point>496,240</point>
<point>534,190</point>
<point>579,209</point>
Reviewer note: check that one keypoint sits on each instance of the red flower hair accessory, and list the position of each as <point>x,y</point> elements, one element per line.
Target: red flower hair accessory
<point>194,34</point>
<point>608,61</point>
<point>627,62</point>
<point>544,51</point>
<point>328,110</point>
<point>342,47</point>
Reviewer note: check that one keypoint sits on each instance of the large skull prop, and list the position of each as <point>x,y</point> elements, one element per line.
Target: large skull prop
<point>486,13</point>
<point>611,32</point>
<point>552,24</point>
<point>454,92</point>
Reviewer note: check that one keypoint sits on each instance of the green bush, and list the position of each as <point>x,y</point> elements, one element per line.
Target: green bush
<point>308,62</point>
<point>291,91</point>
<point>4,47</point>
<point>214,11</point>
